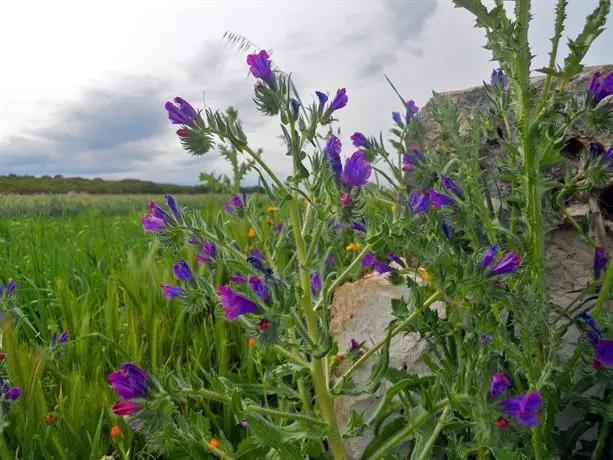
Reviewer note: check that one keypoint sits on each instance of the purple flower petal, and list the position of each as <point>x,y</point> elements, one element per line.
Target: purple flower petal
<point>490,255</point>
<point>259,287</point>
<point>339,101</point>
<point>604,352</point>
<point>182,271</point>
<point>508,264</point>
<point>333,153</point>
<point>235,304</point>
<point>260,66</point>
<point>357,170</point>
<point>499,384</point>
<point>359,140</point>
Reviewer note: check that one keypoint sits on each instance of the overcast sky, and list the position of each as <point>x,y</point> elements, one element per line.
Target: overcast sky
<point>83,84</point>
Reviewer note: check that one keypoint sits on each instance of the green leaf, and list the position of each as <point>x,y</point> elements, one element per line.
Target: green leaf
<point>356,425</point>
<point>389,431</point>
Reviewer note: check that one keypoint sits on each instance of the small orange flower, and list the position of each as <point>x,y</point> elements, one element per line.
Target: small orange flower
<point>252,233</point>
<point>353,247</point>
<point>115,432</point>
<point>269,221</point>
<point>214,443</point>
<point>340,357</point>
<point>251,341</point>
<point>50,418</point>
<point>271,208</point>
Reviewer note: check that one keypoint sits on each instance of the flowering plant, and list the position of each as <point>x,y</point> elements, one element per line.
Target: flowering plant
<point>498,374</point>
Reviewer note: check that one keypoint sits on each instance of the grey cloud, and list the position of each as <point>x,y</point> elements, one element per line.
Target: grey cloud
<point>398,28</point>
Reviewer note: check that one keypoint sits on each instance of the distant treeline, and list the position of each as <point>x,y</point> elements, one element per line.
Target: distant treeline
<point>59,184</point>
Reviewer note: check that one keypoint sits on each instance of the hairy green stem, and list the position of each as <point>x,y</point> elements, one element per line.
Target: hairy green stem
<point>292,357</point>
<point>265,167</point>
<point>409,429</point>
<point>324,398</point>
<point>337,282</point>
<point>433,298</point>
<point>214,396</point>
<point>437,430</point>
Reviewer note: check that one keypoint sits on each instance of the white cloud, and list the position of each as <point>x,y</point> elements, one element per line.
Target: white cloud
<point>68,51</point>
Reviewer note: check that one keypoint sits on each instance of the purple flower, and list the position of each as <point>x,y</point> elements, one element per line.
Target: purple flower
<point>259,287</point>
<point>260,66</point>
<point>368,260</point>
<point>13,393</point>
<point>353,345</point>
<point>438,199</point>
<point>333,153</point>
<point>357,170</point>
<point>236,201</point>
<point>508,264</point>
<point>591,321</point>
<point>330,259</point>
<point>603,351</point>
<point>237,278</point>
<point>359,140</point>
<point>490,255</point>
<point>209,250</point>
<point>315,282</point>
<point>601,86</point>
<point>193,240</point>
<point>485,339</point>
<point>452,187</point>
<point>257,253</point>
<point>412,159</point>
<point>593,337</point>
<point>278,228</point>
<point>182,271</point>
<point>10,286</point>
<point>395,258</point>
<point>498,78</point>
<point>345,199</point>
<point>151,223</point>
<point>156,211</point>
<point>397,117</point>
<point>181,112</point>
<point>499,384</point>
<point>412,109</point>
<point>171,291</point>
<point>600,260</point>
<point>172,204</point>
<point>129,382</point>
<point>295,107</point>
<point>323,98</point>
<point>524,407</point>
<point>339,101</point>
<point>228,207</point>
<point>122,408</point>
<point>595,149</point>
<point>419,202</point>
<point>447,229</point>
<point>63,338</point>
<point>234,303</point>
<point>358,227</point>
<point>381,267</point>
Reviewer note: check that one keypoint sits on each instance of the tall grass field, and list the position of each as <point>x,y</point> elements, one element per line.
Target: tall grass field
<point>82,264</point>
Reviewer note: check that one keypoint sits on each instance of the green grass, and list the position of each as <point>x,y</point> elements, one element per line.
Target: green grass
<point>70,205</point>
<point>92,272</point>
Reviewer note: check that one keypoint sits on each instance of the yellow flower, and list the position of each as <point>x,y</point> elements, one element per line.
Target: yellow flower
<point>271,208</point>
<point>252,233</point>
<point>214,443</point>
<point>353,247</point>
<point>393,208</point>
<point>269,221</point>
<point>424,274</point>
